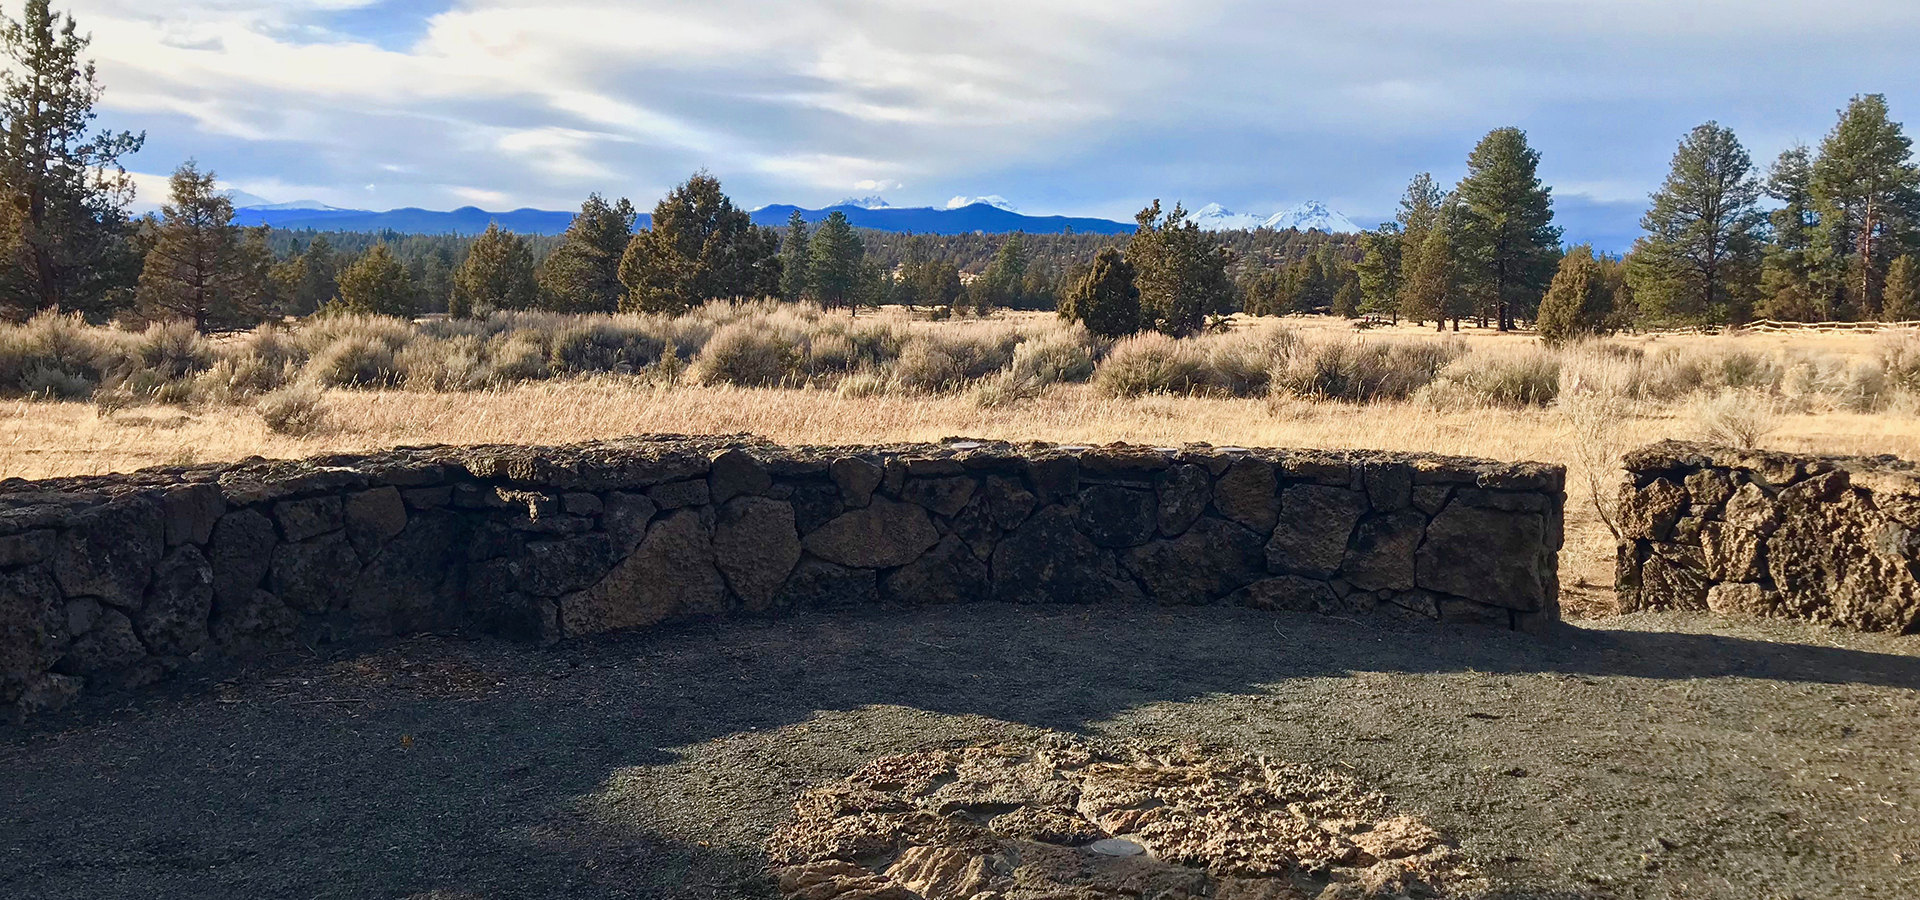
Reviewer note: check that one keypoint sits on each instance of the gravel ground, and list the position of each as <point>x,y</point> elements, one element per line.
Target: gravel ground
<point>1643,756</point>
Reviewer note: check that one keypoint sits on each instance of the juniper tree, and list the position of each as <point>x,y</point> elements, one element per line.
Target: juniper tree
<point>376,284</point>
<point>195,270</point>
<point>1865,182</point>
<point>583,272</point>
<point>699,247</point>
<point>1107,300</point>
<point>1700,259</point>
<point>1579,302</point>
<point>1181,271</point>
<point>795,260</point>
<point>63,223</point>
<point>1506,238</point>
<point>497,274</point>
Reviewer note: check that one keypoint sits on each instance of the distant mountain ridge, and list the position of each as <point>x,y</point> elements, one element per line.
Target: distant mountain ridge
<point>469,220</point>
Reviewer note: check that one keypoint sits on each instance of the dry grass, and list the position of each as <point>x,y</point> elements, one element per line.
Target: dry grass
<point>1612,396</point>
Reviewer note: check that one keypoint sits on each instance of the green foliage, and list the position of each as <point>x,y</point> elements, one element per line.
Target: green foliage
<point>497,274</point>
<point>1797,260</point>
<point>583,272</point>
<point>1700,259</point>
<point>1004,280</point>
<point>1379,272</point>
<point>1867,190</point>
<point>834,270</point>
<point>1106,301</point>
<point>699,247</point>
<point>64,236</point>
<point>1579,302</point>
<point>376,285</point>
<point>1903,290</point>
<point>796,260</point>
<point>1181,272</point>
<point>1433,289</point>
<point>198,270</point>
<point>295,411</point>
<point>1506,240</point>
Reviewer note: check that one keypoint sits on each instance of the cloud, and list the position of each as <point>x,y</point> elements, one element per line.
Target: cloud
<point>1077,106</point>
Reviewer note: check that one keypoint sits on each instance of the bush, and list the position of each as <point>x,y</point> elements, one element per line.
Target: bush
<point>926,366</point>
<point>863,384</point>
<point>1737,418</point>
<point>295,411</point>
<point>1365,371</point>
<point>49,382</point>
<point>353,361</point>
<point>1062,356</point>
<point>173,349</point>
<point>239,376</point>
<point>1514,382</point>
<point>1152,363</point>
<point>746,354</point>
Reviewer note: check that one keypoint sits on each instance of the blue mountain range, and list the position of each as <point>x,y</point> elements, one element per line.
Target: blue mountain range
<point>468,220</point>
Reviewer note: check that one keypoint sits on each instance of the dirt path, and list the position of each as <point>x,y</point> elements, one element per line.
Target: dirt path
<point>1637,757</point>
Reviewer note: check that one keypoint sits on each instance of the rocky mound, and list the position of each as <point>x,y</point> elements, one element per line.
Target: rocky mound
<point>1095,820</point>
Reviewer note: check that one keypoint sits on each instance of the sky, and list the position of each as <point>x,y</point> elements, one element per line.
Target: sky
<point>1073,107</point>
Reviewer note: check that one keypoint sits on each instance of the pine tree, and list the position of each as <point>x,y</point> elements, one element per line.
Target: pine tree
<point>497,274</point>
<point>1506,237</point>
<point>320,281</point>
<point>583,273</point>
<point>1579,302</point>
<point>1865,182</point>
<point>699,247</point>
<point>834,267</point>
<point>1181,271</point>
<point>1107,301</point>
<point>1378,273</point>
<point>1903,290</point>
<point>63,224</point>
<point>1420,210</point>
<point>795,259</point>
<point>376,284</point>
<point>938,284</point>
<point>1796,280</point>
<point>1700,259</point>
<point>1313,292</point>
<point>1000,285</point>
<point>1433,283</point>
<point>196,271</point>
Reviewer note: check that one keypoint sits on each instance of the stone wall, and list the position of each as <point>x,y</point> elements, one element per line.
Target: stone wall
<point>116,580</point>
<point>1748,533</point>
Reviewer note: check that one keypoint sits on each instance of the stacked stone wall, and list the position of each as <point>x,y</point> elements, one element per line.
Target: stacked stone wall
<point>1826,539</point>
<point>116,580</point>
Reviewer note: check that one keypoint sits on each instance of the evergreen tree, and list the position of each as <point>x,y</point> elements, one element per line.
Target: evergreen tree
<point>1433,282</point>
<point>938,284</point>
<point>497,274</point>
<point>1903,290</point>
<point>1107,301</point>
<point>1378,273</point>
<point>1700,259</point>
<point>63,223</point>
<point>1420,210</point>
<point>320,277</point>
<point>699,247</point>
<point>1797,260</point>
<point>1346,299</point>
<point>1181,271</point>
<point>1000,284</point>
<point>1506,237</point>
<point>795,260</point>
<point>583,273</point>
<point>195,271</point>
<point>1865,182</point>
<point>1579,302</point>
<point>376,284</point>
<point>834,268</point>
<point>1313,290</point>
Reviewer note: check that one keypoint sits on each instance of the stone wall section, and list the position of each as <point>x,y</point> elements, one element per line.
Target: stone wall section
<point>1826,539</point>
<point>114,581</point>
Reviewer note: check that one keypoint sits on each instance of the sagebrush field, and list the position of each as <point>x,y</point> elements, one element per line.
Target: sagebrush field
<point>97,400</point>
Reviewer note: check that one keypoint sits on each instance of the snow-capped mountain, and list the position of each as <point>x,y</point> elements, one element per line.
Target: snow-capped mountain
<point>1214,217</point>
<point>994,200</point>
<point>874,202</point>
<point>1314,216</point>
<point>1309,216</point>
<point>313,205</point>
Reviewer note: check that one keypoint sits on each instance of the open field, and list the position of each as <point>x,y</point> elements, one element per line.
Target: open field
<point>1849,412</point>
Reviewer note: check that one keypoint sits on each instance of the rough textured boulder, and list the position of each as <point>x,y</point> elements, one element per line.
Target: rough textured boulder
<point>885,533</point>
<point>755,547</point>
<point>670,574</point>
<point>1381,555</point>
<point>1317,522</point>
<point>818,584</point>
<point>1487,555</point>
<point>111,554</point>
<point>856,479</point>
<point>373,518</point>
<point>1184,492</point>
<point>1048,560</point>
<point>949,573</point>
<point>1116,516</point>
<point>112,644</point>
<point>174,620</point>
<point>1246,492</point>
<point>736,473</point>
<point>1213,558</point>
<point>34,628</point>
<point>312,517</point>
<point>312,577</point>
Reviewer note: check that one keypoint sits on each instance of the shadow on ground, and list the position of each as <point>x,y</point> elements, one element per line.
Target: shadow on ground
<point>1649,758</point>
